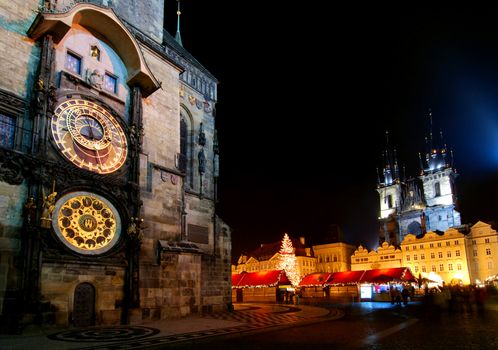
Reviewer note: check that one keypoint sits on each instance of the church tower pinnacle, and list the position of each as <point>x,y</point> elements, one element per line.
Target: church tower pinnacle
<point>178,36</point>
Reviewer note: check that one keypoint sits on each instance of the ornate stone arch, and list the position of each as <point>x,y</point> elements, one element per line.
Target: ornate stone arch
<point>109,27</point>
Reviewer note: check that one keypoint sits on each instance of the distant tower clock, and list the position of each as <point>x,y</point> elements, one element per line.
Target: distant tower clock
<point>89,136</point>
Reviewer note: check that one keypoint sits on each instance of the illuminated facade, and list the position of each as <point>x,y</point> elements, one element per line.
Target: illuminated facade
<point>417,205</point>
<point>108,167</point>
<point>482,252</point>
<point>386,256</point>
<point>333,257</point>
<point>267,257</point>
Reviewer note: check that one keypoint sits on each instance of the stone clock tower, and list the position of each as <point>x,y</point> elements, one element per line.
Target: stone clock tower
<point>109,168</point>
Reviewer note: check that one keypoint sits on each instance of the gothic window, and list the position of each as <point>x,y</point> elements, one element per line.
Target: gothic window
<point>185,155</point>
<point>437,189</point>
<point>390,201</point>
<point>7,131</point>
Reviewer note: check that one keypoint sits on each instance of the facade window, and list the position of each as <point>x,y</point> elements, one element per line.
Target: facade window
<point>457,253</point>
<point>437,189</point>
<point>439,244</point>
<point>450,267</point>
<point>486,240</point>
<point>335,258</point>
<point>421,246</point>
<point>433,268</point>
<point>422,256</point>
<point>490,265</point>
<point>414,247</point>
<point>448,254</point>
<point>110,83</point>
<point>424,269</point>
<point>408,258</point>
<point>184,157</point>
<point>475,252</point>
<point>459,267</point>
<point>440,255</point>
<point>432,255</point>
<point>416,268</point>
<point>431,245</point>
<point>488,251</point>
<point>447,243</point>
<point>390,201</point>
<point>441,267</point>
<point>456,242</point>
<point>73,63</point>
<point>407,248</point>
<point>7,131</point>
<point>415,257</point>
<point>473,242</point>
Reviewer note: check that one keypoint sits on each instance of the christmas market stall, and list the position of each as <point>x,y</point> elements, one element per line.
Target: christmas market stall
<point>312,285</point>
<point>262,286</point>
<point>344,284</point>
<point>375,284</point>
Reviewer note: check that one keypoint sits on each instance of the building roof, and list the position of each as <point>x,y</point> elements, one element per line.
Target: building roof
<point>267,250</point>
<point>259,279</point>
<point>394,274</point>
<point>315,279</point>
<point>345,277</point>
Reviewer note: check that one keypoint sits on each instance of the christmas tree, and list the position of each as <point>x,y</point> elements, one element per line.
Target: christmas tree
<point>288,261</point>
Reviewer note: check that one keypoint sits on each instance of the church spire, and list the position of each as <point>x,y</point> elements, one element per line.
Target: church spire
<point>178,37</point>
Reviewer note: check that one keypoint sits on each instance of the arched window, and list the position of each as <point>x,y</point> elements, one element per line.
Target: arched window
<point>389,201</point>
<point>437,189</point>
<point>185,156</point>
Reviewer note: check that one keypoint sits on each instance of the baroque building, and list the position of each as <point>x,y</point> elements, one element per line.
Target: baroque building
<point>417,205</point>
<point>109,167</point>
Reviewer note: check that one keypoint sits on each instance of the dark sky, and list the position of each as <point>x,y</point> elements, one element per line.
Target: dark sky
<point>306,94</point>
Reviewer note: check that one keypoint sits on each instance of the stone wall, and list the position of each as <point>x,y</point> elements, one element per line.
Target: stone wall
<point>59,281</point>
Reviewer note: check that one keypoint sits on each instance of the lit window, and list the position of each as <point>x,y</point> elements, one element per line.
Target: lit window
<point>457,253</point>
<point>7,131</point>
<point>432,255</point>
<point>488,251</point>
<point>424,269</point>
<point>450,267</point>
<point>408,258</point>
<point>440,255</point>
<point>448,254</point>
<point>416,268</point>
<point>433,268</point>
<point>415,257</point>
<point>110,83</point>
<point>422,256</point>
<point>459,267</point>
<point>441,267</point>
<point>73,63</point>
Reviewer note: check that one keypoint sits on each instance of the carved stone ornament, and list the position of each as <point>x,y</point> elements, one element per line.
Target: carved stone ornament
<point>191,99</point>
<point>13,167</point>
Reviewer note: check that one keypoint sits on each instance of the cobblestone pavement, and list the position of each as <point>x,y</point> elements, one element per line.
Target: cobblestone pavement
<point>245,319</point>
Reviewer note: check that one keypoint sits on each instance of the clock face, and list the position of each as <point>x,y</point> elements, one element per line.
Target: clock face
<point>89,136</point>
<point>86,222</point>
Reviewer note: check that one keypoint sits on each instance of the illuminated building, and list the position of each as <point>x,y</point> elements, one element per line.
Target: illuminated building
<point>267,258</point>
<point>482,252</point>
<point>109,167</point>
<point>333,257</point>
<point>417,205</point>
<point>386,256</point>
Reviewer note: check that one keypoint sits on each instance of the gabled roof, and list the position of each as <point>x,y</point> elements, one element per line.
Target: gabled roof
<point>345,277</point>
<point>394,274</point>
<point>259,279</point>
<point>268,250</point>
<point>315,279</point>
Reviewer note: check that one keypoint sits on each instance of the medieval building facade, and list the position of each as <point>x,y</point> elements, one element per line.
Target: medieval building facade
<point>109,167</point>
<point>417,205</point>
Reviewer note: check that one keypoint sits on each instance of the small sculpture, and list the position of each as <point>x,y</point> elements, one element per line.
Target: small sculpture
<point>202,162</point>
<point>30,211</point>
<point>48,209</point>
<point>135,229</point>
<point>202,136</point>
<point>96,79</point>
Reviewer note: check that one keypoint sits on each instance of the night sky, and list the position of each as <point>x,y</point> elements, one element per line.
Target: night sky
<point>306,95</point>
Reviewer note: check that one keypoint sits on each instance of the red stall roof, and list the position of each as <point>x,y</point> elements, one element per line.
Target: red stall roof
<point>345,277</point>
<point>315,279</point>
<point>395,274</point>
<point>259,279</point>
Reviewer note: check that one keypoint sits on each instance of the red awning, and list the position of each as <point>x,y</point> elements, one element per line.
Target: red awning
<point>345,277</point>
<point>259,279</point>
<point>315,279</point>
<point>395,274</point>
